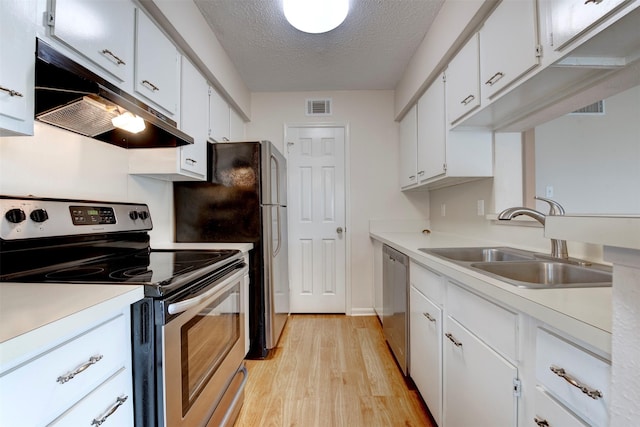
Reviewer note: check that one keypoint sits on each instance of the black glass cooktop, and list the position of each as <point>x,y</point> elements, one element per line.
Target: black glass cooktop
<point>161,271</point>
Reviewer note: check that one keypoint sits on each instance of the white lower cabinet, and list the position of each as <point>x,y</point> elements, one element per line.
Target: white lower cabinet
<point>426,351</point>
<point>74,382</point>
<point>550,413</point>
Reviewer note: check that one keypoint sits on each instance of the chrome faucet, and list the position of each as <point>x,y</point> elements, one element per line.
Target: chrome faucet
<point>558,247</point>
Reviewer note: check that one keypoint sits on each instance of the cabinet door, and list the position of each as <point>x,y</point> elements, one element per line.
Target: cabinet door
<point>425,326</point>
<point>408,148</point>
<point>570,18</point>
<point>508,45</point>
<point>102,31</point>
<point>236,126</point>
<point>219,117</point>
<point>463,80</point>
<point>431,132</point>
<point>17,19</point>
<point>194,109</point>
<point>478,383</point>
<point>157,65</point>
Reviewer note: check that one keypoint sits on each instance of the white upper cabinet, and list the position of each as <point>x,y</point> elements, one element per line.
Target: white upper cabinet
<point>236,126</point>
<point>431,132</point>
<point>409,148</point>
<point>463,80</point>
<point>570,18</point>
<point>194,110</point>
<point>508,45</point>
<point>219,117</point>
<point>101,31</point>
<point>157,65</point>
<point>17,44</point>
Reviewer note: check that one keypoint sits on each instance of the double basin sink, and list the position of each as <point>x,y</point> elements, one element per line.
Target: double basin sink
<point>527,269</point>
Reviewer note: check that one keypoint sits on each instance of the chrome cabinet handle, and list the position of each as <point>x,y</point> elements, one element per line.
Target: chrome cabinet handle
<point>421,173</point>
<point>453,340</point>
<point>412,177</point>
<point>68,377</point>
<point>118,61</point>
<point>150,85</point>
<point>191,161</point>
<point>225,139</point>
<point>119,402</point>
<point>541,422</point>
<point>591,392</point>
<point>593,1</point>
<point>467,100</point>
<point>430,317</point>
<point>497,76</point>
<point>11,92</point>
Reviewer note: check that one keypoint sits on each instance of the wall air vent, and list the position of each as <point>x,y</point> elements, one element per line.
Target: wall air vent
<point>595,108</point>
<point>319,107</point>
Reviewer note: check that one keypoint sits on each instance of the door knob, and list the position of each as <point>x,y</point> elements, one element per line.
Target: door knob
<point>339,230</point>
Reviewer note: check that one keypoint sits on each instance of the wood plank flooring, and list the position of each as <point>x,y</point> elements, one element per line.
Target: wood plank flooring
<point>330,370</point>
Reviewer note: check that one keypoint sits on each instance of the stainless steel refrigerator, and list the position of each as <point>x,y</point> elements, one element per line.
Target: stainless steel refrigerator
<point>244,200</point>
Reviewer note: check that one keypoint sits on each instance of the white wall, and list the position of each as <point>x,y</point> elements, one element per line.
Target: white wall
<point>593,161</point>
<point>57,163</point>
<point>373,170</point>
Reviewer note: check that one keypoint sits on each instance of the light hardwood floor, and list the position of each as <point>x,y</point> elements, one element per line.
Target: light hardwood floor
<point>330,370</point>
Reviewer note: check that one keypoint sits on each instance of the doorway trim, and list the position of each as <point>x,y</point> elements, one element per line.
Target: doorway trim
<point>347,193</point>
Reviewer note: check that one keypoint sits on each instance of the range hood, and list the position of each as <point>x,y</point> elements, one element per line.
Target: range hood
<point>71,97</point>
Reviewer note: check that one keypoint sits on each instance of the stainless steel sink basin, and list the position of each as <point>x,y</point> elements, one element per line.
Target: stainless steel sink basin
<point>480,254</point>
<point>546,274</point>
<point>527,269</point>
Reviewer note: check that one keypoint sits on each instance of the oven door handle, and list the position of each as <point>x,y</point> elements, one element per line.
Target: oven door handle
<point>182,306</point>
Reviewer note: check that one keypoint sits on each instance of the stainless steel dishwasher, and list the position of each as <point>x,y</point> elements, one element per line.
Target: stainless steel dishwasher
<point>395,285</point>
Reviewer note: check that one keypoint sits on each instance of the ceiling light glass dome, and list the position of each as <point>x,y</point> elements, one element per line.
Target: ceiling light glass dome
<point>315,16</point>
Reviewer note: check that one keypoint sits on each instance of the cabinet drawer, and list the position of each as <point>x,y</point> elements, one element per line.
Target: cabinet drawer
<point>110,403</point>
<point>495,325</point>
<point>430,283</point>
<point>43,388</point>
<point>579,366</point>
<point>549,411</point>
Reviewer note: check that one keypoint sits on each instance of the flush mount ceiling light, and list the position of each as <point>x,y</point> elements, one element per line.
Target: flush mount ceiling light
<point>315,16</point>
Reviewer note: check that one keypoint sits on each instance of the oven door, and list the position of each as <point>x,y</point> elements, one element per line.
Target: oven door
<point>204,346</point>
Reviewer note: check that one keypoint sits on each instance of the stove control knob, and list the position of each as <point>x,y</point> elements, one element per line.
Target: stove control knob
<point>144,215</point>
<point>39,215</point>
<point>15,216</point>
<point>133,215</point>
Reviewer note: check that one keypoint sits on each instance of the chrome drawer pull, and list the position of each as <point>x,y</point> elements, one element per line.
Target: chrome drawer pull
<point>118,61</point>
<point>150,85</point>
<point>467,100</point>
<point>428,316</point>
<point>92,361</point>
<point>541,422</point>
<point>497,76</point>
<point>191,161</point>
<point>11,92</point>
<point>593,1</point>
<point>453,340</point>
<point>591,392</point>
<point>119,402</point>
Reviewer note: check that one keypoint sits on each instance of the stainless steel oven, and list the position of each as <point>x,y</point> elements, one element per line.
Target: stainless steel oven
<point>188,333</point>
<point>202,350</point>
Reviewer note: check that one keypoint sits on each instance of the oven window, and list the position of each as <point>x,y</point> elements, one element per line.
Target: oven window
<point>206,340</point>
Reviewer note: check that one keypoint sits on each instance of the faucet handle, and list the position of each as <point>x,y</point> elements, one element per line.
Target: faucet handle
<point>554,207</point>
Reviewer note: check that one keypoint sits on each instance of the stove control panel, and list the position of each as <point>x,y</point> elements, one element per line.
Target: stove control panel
<point>28,218</point>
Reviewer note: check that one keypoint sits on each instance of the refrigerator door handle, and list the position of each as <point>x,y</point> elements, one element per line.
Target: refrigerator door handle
<point>276,251</point>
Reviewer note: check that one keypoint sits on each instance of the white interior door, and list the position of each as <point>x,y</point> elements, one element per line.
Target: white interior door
<point>317,219</point>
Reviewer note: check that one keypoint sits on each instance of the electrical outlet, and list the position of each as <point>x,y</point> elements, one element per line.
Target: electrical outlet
<point>443,210</point>
<point>548,191</point>
<point>480,207</point>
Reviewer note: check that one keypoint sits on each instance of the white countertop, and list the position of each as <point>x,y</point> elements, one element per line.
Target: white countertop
<point>32,314</point>
<point>585,313</point>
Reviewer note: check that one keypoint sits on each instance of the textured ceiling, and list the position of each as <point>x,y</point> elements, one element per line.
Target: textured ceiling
<point>370,50</point>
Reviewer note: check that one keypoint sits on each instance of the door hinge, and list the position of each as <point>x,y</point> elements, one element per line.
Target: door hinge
<point>538,51</point>
<point>444,167</point>
<point>517,387</point>
<point>50,19</point>
<point>444,77</point>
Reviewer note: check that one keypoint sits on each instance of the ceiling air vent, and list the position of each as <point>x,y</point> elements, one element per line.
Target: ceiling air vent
<point>319,107</point>
<point>595,108</point>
